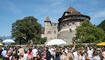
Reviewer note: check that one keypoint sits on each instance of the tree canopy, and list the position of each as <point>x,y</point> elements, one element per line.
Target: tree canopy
<point>27,30</point>
<point>88,33</point>
<point>102,25</point>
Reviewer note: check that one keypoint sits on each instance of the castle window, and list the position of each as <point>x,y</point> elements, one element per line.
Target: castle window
<point>54,32</point>
<point>49,32</point>
<point>63,24</point>
<point>73,22</point>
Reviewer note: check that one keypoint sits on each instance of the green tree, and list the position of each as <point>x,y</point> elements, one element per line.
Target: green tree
<point>88,33</point>
<point>27,30</point>
<point>102,25</point>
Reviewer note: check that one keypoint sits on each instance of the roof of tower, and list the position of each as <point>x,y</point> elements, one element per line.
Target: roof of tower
<point>71,9</point>
<point>72,14</point>
<point>47,19</point>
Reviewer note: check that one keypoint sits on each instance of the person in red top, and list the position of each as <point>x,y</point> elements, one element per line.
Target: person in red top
<point>30,54</point>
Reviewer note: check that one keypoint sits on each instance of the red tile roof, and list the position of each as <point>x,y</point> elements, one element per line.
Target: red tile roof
<point>72,10</point>
<point>47,19</point>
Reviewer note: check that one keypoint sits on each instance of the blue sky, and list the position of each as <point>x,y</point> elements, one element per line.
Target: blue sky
<point>12,10</point>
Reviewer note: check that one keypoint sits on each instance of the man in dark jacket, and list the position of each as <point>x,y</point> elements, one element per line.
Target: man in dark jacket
<point>48,54</point>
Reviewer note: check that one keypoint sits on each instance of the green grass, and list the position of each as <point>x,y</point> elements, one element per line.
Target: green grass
<point>1,59</point>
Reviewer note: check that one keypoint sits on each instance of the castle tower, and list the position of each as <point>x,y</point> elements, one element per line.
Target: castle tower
<point>47,23</point>
<point>68,23</point>
<point>71,17</point>
<point>50,29</point>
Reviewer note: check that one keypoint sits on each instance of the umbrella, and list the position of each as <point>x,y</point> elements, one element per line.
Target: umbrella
<point>8,41</point>
<point>1,44</point>
<point>56,42</point>
<point>101,44</point>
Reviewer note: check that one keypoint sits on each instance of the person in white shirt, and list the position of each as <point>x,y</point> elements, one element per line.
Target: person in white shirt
<point>25,55</point>
<point>66,50</point>
<point>81,56</point>
<point>35,52</point>
<point>4,52</point>
<point>75,54</point>
<point>90,52</point>
<point>52,51</point>
<point>95,56</point>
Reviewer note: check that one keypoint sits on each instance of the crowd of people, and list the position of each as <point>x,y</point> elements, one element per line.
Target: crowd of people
<point>51,53</point>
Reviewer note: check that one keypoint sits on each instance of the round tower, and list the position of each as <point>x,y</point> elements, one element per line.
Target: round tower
<point>68,23</point>
<point>71,17</point>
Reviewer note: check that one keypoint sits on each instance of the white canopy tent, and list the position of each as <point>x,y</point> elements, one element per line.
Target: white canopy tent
<point>56,42</point>
<point>8,41</point>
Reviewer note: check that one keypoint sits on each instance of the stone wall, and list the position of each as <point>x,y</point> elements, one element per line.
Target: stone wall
<point>66,35</point>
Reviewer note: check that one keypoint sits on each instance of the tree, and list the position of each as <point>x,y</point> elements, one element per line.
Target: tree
<point>27,30</point>
<point>102,25</point>
<point>88,33</point>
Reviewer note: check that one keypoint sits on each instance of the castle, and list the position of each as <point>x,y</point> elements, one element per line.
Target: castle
<point>65,28</point>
